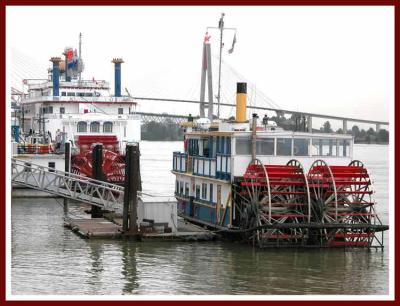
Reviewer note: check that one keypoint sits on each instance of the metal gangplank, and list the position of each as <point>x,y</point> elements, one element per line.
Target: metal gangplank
<point>80,188</point>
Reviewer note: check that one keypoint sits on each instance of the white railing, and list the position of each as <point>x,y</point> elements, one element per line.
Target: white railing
<point>78,116</point>
<point>204,166</point>
<point>179,162</point>
<point>223,166</point>
<point>101,84</point>
<point>78,99</point>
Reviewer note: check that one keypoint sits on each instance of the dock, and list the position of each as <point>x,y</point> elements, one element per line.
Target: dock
<point>110,228</point>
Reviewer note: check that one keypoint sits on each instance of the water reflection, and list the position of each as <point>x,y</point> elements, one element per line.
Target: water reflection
<point>129,270</point>
<point>49,259</point>
<point>96,267</point>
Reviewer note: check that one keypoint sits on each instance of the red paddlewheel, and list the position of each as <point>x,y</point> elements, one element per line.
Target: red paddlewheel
<point>342,194</point>
<point>274,194</point>
<point>113,165</point>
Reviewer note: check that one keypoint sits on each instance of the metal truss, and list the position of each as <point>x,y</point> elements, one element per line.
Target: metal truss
<point>162,118</point>
<point>76,187</point>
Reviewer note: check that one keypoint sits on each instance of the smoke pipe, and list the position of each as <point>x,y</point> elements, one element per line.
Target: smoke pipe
<point>56,75</point>
<point>241,97</point>
<point>117,71</point>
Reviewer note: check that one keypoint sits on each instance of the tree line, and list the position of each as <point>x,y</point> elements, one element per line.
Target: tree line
<point>299,123</point>
<point>157,131</point>
<point>170,131</point>
<point>361,136</point>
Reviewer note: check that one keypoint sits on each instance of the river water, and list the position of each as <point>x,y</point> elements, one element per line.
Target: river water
<point>49,259</point>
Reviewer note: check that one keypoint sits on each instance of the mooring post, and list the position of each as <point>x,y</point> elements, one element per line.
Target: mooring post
<point>135,187</point>
<point>139,177</point>
<point>129,214</point>
<point>127,186</point>
<point>97,174</point>
<point>67,157</point>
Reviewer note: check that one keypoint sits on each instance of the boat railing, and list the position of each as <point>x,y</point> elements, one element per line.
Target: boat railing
<point>77,115</point>
<point>78,99</point>
<point>34,148</point>
<point>223,166</point>
<point>214,167</point>
<point>97,84</point>
<point>179,162</point>
<point>204,166</point>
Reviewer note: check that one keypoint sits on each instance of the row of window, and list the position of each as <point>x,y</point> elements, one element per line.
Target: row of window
<point>80,94</point>
<point>295,147</point>
<point>210,146</point>
<point>82,127</point>
<point>202,192</point>
<point>49,110</point>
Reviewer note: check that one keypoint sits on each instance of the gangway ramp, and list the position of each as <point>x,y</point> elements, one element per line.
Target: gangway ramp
<point>80,188</point>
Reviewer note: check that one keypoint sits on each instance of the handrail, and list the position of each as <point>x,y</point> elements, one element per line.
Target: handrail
<point>70,185</point>
<point>77,177</point>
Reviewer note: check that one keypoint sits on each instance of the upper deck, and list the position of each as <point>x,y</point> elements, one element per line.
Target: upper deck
<point>73,92</point>
<point>224,152</point>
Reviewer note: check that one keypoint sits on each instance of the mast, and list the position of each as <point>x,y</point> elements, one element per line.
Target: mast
<point>221,30</point>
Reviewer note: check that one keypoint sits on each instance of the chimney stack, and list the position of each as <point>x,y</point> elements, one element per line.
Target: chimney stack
<point>117,70</point>
<point>241,97</point>
<point>56,75</point>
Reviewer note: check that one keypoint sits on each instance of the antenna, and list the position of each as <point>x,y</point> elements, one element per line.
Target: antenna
<point>127,91</point>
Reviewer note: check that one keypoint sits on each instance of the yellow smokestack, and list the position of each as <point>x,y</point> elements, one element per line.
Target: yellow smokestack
<point>241,100</point>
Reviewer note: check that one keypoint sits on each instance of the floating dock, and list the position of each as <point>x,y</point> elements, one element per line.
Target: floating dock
<point>105,228</point>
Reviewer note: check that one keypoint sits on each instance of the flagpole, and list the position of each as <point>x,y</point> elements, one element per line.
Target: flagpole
<point>221,29</point>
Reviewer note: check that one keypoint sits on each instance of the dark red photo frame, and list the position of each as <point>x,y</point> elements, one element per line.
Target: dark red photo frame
<point>393,230</point>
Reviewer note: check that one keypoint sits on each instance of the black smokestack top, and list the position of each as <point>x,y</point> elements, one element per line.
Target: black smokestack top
<point>241,88</point>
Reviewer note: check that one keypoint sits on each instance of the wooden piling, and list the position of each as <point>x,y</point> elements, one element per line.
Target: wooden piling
<point>129,215</point>
<point>67,157</point>
<point>127,185</point>
<point>97,174</point>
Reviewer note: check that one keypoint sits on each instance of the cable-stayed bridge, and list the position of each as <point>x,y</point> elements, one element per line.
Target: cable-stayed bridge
<point>160,103</point>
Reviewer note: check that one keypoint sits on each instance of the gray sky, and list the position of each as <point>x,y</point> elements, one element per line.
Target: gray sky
<point>331,60</point>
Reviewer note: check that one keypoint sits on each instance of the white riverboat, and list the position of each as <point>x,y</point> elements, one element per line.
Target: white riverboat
<point>275,187</point>
<point>66,108</point>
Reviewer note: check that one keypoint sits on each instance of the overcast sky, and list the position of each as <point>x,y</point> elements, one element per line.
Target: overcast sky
<point>331,60</point>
